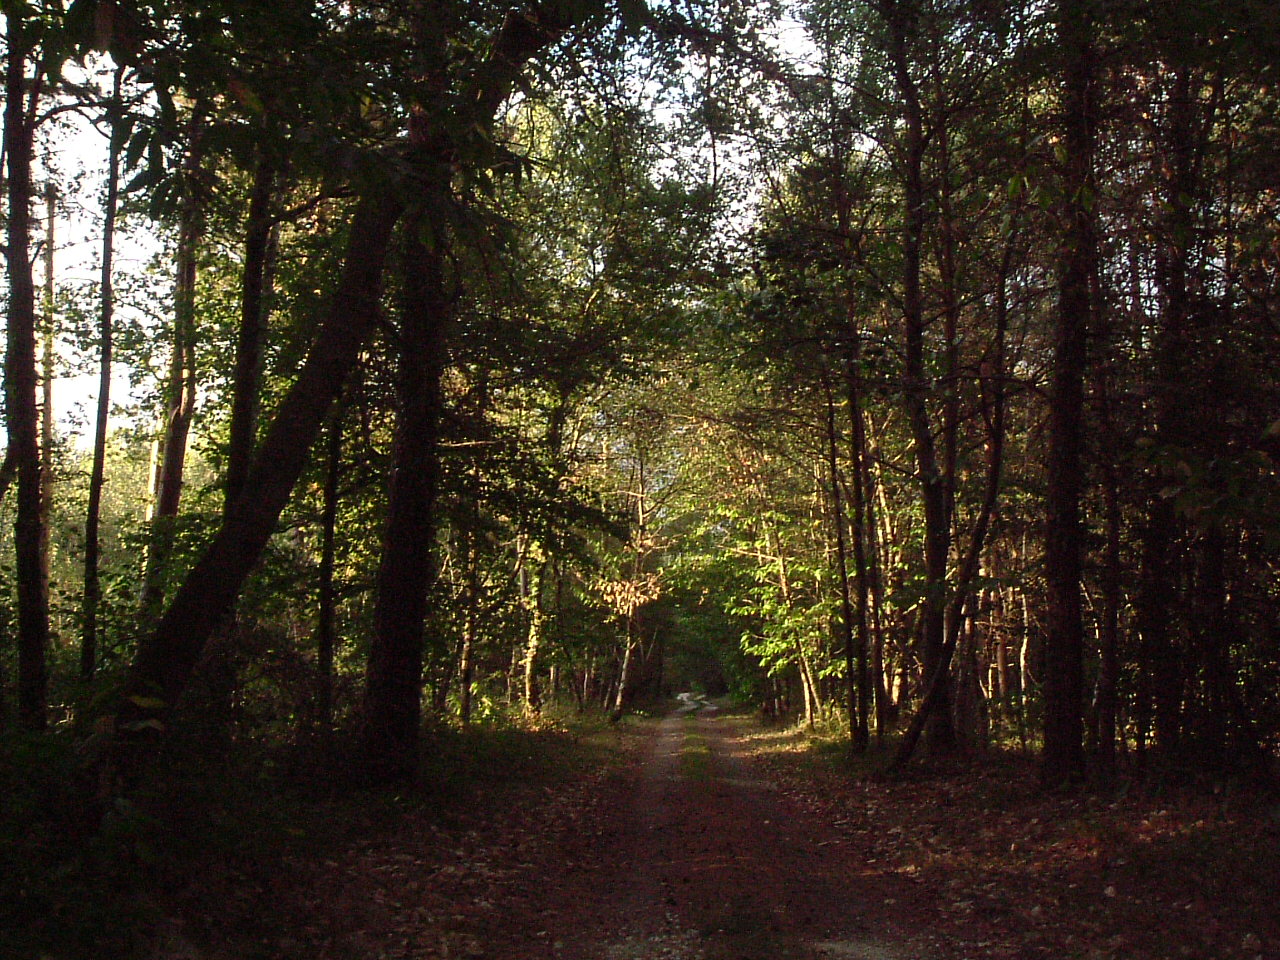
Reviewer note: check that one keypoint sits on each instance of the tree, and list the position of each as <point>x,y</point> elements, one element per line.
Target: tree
<point>22,100</point>
<point>1063,759</point>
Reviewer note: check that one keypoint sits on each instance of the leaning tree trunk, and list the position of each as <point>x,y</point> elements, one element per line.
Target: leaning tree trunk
<point>166,657</point>
<point>21,411</point>
<point>1062,762</point>
<point>393,691</point>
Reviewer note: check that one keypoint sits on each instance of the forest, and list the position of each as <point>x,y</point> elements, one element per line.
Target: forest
<point>398,390</point>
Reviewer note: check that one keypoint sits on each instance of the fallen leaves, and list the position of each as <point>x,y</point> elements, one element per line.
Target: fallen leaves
<point>1126,878</point>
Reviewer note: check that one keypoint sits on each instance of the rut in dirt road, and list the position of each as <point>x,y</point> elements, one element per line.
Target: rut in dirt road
<point>713,865</point>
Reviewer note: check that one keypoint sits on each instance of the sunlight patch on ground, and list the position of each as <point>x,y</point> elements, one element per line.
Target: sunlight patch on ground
<point>855,950</point>
<point>671,943</point>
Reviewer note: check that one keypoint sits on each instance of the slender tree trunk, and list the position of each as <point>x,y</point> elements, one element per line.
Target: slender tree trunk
<point>21,412</point>
<point>854,656</point>
<point>994,412</point>
<point>326,634</point>
<point>533,643</point>
<point>861,577</point>
<point>255,291</point>
<point>857,444</point>
<point>1108,700</point>
<point>393,690</point>
<point>900,16</point>
<point>872,591</point>
<point>106,343</point>
<point>48,372</point>
<point>1062,763</point>
<point>1162,553</point>
<point>466,656</point>
<point>624,675</point>
<point>180,388</point>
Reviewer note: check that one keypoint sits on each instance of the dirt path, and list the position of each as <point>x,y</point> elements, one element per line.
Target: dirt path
<point>676,845</point>
<point>704,860</point>
<point>704,837</point>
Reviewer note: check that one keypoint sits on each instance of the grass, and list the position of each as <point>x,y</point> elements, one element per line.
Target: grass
<point>695,758</point>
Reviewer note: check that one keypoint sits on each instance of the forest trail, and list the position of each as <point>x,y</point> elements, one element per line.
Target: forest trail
<point>702,836</point>
<point>673,846</point>
<point>709,862</point>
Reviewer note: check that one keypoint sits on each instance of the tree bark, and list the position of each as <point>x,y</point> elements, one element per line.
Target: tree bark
<point>466,655</point>
<point>537,628</point>
<point>254,294</point>
<point>47,374</point>
<point>393,690</point>
<point>326,634</point>
<point>855,656</point>
<point>21,411</point>
<point>180,385</point>
<point>106,343</point>
<point>900,16</point>
<point>1162,552</point>
<point>1062,762</point>
<point>954,616</point>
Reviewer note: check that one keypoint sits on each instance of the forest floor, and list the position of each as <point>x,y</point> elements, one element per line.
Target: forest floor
<point>702,836</point>
<point>699,835</point>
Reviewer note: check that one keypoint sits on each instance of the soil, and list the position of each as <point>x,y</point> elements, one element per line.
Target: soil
<point>701,837</point>
<point>677,847</point>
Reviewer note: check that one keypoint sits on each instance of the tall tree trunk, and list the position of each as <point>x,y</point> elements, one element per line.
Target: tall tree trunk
<point>106,343</point>
<point>854,656</point>
<point>180,386</point>
<point>861,572</point>
<point>1162,552</point>
<point>1062,762</point>
<point>21,411</point>
<point>470,623</point>
<point>900,15</point>
<point>871,591</point>
<point>994,393</point>
<point>857,445</point>
<point>47,374</point>
<point>1112,583</point>
<point>393,691</point>
<point>255,290</point>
